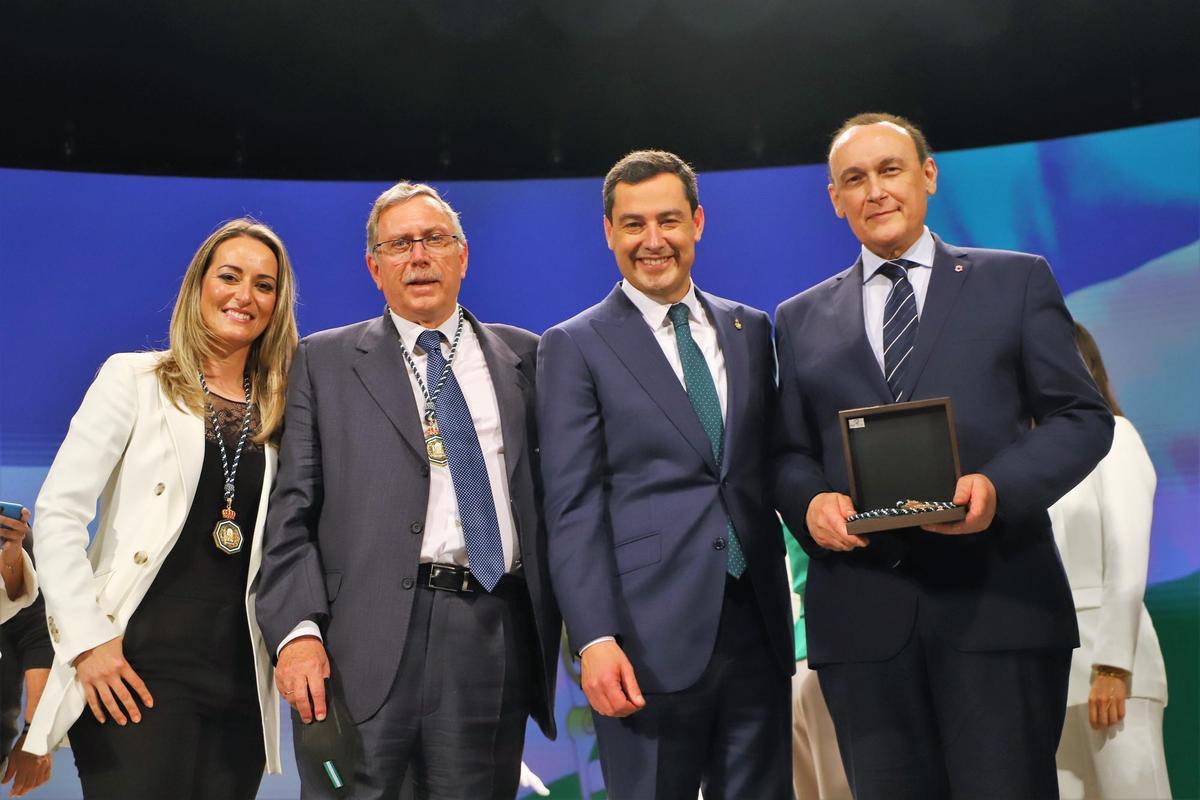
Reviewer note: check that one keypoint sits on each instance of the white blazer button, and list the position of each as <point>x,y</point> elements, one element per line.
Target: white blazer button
<point>160,488</point>
<point>140,557</point>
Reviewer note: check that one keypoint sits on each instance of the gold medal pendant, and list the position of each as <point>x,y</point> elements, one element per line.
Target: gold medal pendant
<point>435,448</point>
<point>227,535</point>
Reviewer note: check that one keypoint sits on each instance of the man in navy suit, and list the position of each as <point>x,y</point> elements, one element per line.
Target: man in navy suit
<point>665,553</point>
<point>943,652</point>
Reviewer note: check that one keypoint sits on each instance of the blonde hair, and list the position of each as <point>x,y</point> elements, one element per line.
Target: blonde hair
<point>192,342</point>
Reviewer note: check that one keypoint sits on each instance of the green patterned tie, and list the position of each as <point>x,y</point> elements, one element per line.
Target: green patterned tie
<point>703,394</point>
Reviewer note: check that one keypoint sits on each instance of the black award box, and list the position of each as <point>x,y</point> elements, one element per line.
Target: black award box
<point>902,461</point>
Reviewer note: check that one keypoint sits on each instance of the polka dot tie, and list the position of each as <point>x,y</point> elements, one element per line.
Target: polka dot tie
<point>703,394</point>
<point>899,325</point>
<point>468,472</point>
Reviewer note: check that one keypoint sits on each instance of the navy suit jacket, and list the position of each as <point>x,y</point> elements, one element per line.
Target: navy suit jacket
<point>996,337</point>
<point>343,533</point>
<point>636,506</point>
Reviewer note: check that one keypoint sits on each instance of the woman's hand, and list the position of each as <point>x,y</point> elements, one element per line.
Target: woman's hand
<point>107,678</point>
<point>1106,701</point>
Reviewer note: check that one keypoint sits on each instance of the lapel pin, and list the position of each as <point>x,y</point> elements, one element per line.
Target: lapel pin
<point>958,267</point>
<point>737,323</point>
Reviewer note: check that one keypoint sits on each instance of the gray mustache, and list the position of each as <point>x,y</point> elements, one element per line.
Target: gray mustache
<point>430,274</point>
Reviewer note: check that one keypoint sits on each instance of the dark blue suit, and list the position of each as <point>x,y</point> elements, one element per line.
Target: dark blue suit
<point>996,337</point>
<point>637,510</point>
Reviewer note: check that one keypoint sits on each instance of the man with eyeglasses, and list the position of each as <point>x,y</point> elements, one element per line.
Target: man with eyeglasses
<point>654,407</point>
<point>404,552</point>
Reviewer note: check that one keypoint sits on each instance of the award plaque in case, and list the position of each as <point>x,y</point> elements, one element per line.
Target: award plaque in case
<point>902,461</point>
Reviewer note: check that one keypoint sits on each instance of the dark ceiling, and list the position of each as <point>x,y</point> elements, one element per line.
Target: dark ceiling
<point>514,88</point>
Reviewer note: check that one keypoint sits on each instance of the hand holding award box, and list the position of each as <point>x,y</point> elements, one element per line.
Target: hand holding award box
<point>902,464</point>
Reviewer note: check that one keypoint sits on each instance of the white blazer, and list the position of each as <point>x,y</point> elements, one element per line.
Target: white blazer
<point>1102,528</point>
<point>130,448</point>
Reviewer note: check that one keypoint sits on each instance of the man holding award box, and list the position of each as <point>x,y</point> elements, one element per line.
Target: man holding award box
<point>943,651</point>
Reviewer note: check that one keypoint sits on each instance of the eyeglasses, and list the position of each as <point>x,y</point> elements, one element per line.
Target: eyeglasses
<point>401,249</point>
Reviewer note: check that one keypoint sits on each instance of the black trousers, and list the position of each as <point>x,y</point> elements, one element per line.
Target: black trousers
<point>454,722</point>
<point>203,740</point>
<point>936,722</point>
<point>175,752</point>
<point>730,732</point>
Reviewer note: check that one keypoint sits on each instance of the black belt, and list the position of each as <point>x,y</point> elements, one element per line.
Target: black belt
<point>453,578</point>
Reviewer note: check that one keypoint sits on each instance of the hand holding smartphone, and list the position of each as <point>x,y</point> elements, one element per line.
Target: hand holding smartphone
<point>16,530</point>
<point>10,510</point>
<point>14,527</point>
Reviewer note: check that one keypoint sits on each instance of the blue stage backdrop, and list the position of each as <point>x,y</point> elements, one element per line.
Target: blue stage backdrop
<point>90,265</point>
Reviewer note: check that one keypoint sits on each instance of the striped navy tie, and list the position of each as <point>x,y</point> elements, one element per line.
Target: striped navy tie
<point>899,325</point>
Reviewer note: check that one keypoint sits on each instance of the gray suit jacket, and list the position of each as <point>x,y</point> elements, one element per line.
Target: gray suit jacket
<point>343,533</point>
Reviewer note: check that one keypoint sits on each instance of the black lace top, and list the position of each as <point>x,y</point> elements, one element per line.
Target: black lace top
<point>190,638</point>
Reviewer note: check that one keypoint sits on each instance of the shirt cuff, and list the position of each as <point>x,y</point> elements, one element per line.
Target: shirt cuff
<point>597,640</point>
<point>305,628</point>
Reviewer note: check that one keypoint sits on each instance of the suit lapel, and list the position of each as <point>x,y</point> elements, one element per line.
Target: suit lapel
<point>511,387</point>
<point>737,370</point>
<point>384,373</point>
<point>846,307</point>
<point>950,271</point>
<point>624,330</point>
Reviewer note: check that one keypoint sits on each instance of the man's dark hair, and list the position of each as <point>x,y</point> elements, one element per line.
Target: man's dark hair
<point>642,165</point>
<point>875,117</point>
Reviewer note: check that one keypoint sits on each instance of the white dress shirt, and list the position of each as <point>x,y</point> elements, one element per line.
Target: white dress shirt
<point>703,333</point>
<point>877,287</point>
<point>442,541</point>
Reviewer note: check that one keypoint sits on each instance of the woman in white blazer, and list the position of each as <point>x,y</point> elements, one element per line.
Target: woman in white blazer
<point>161,675</point>
<point>1112,735</point>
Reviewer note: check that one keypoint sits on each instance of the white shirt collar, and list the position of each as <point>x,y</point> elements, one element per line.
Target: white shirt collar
<point>921,253</point>
<point>655,313</point>
<point>409,330</point>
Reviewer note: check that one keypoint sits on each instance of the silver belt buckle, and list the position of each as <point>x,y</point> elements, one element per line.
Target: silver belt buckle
<point>441,571</point>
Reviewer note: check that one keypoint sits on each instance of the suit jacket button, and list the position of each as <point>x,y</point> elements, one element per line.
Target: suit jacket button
<point>416,527</point>
<point>407,583</point>
<point>159,488</point>
<point>424,470</point>
<point>140,557</point>
<point>719,543</point>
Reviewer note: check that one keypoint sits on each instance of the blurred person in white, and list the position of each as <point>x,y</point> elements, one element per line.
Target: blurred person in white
<point>25,657</point>
<point>1112,743</point>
